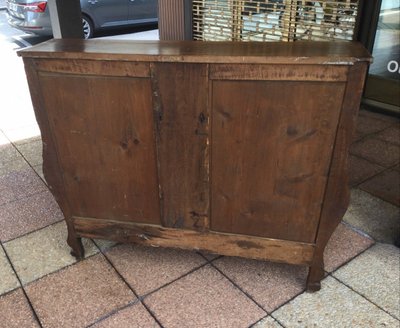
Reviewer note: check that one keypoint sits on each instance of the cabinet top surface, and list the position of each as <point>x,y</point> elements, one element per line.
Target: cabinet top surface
<point>334,53</point>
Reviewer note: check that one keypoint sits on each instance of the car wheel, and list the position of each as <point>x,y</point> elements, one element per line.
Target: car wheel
<point>87,27</point>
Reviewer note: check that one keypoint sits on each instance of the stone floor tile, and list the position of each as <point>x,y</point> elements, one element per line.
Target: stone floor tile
<point>27,215</point>
<point>361,169</point>
<point>8,279</point>
<point>23,134</point>
<point>32,152</point>
<point>8,153</point>
<point>379,116</point>
<point>335,305</point>
<point>269,284</point>
<point>204,298</point>
<point>376,151</point>
<point>135,315</point>
<point>78,295</point>
<point>15,311</point>
<point>268,322</point>
<point>367,124</point>
<point>148,268</point>
<point>42,252</point>
<point>375,274</point>
<point>344,244</point>
<point>385,185</point>
<point>39,170</point>
<point>391,134</point>
<point>210,256</point>
<point>377,218</point>
<point>18,164</point>
<point>104,245</point>
<point>18,184</point>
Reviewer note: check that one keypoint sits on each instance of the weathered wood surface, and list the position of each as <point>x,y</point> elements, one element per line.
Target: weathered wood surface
<point>271,148</point>
<point>217,147</point>
<point>182,133</point>
<point>225,244</point>
<point>300,52</point>
<point>106,145</point>
<point>337,195</point>
<point>279,72</point>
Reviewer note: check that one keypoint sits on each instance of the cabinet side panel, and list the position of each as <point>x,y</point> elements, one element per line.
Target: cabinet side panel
<point>103,129</point>
<point>181,113</point>
<point>271,150</point>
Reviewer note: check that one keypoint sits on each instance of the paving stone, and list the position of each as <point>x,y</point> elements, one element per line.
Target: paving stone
<point>135,315</point>
<point>8,153</point>
<point>42,252</point>
<point>335,305</point>
<point>27,215</point>
<point>8,279</point>
<point>15,311</point>
<point>369,124</point>
<point>18,164</point>
<point>375,274</point>
<point>210,256</point>
<point>204,298</point>
<point>376,151</point>
<point>269,284</point>
<point>78,295</point>
<point>104,245</point>
<point>39,170</point>
<point>268,322</point>
<point>148,268</point>
<point>391,134</point>
<point>385,185</point>
<point>360,170</point>
<point>344,245</point>
<point>32,151</point>
<point>377,218</point>
<point>19,184</point>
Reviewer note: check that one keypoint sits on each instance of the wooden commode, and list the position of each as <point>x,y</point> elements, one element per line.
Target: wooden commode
<point>233,148</point>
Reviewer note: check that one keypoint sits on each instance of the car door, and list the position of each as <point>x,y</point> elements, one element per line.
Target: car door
<point>106,12</point>
<point>143,10</point>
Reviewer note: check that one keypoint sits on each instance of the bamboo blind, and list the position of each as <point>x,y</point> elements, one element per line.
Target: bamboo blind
<point>274,20</point>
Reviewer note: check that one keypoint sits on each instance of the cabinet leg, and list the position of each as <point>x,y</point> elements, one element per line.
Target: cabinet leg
<point>75,243</point>
<point>315,275</point>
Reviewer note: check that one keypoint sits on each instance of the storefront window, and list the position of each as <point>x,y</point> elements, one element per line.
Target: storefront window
<point>384,80</point>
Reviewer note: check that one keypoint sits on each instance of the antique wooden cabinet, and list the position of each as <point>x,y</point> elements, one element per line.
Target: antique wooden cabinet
<point>234,148</point>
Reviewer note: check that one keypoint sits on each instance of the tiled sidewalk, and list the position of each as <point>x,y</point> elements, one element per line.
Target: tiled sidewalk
<point>41,284</point>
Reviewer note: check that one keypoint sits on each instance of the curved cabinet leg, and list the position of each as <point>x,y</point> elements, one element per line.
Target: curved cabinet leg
<point>315,275</point>
<point>75,243</point>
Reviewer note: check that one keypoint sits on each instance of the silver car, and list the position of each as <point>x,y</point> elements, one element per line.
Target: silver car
<point>33,16</point>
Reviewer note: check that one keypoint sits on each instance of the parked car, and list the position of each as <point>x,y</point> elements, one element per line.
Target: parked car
<point>33,16</point>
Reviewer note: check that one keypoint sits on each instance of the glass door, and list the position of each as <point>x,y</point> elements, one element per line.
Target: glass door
<point>383,83</point>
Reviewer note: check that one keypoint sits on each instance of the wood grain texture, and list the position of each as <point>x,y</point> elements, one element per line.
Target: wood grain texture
<point>234,148</point>
<point>271,147</point>
<point>226,244</point>
<point>279,72</point>
<point>105,145</point>
<point>299,52</point>
<point>337,195</point>
<point>91,67</point>
<point>51,166</point>
<point>182,124</point>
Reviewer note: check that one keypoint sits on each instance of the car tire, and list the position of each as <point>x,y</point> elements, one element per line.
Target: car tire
<point>87,27</point>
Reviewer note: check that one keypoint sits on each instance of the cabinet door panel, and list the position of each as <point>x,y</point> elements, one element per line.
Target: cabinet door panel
<point>270,155</point>
<point>103,127</point>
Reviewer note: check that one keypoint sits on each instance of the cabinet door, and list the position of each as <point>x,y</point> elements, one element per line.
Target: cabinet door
<point>103,129</point>
<point>270,155</point>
